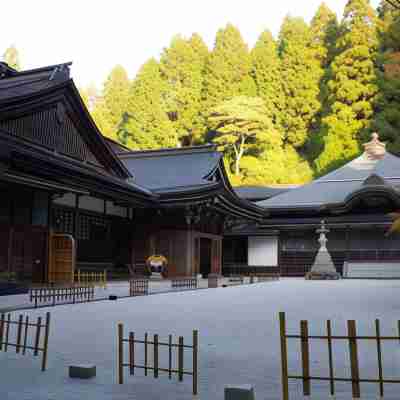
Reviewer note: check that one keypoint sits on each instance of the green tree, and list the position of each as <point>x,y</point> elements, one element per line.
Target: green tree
<point>266,74</point>
<point>352,87</point>
<point>11,57</point>
<point>227,70</point>
<point>182,66</point>
<point>301,75</point>
<point>240,124</point>
<point>324,32</point>
<point>146,124</point>
<point>387,106</point>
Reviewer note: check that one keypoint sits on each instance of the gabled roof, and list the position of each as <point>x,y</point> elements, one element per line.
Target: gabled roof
<point>21,83</point>
<point>338,188</point>
<point>48,94</point>
<point>188,174</point>
<point>172,170</point>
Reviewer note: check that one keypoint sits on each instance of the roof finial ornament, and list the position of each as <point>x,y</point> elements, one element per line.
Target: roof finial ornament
<point>375,149</point>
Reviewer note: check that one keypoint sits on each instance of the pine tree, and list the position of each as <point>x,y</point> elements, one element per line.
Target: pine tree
<point>146,124</point>
<point>182,66</point>
<point>240,124</point>
<point>300,78</point>
<point>266,74</point>
<point>11,57</point>
<point>227,71</point>
<point>352,87</point>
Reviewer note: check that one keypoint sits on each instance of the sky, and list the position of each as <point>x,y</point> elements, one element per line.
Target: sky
<point>97,35</point>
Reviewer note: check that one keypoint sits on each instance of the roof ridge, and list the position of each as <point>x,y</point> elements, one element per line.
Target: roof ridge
<point>208,148</point>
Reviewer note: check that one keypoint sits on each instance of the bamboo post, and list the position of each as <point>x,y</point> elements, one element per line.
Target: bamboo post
<point>180,358</point>
<point>132,353</point>
<point>19,333</point>
<point>2,323</point>
<point>145,354</point>
<point>355,376</point>
<point>330,354</point>
<point>46,341</point>
<point>37,338</point>
<point>25,334</point>
<point>195,353</point>
<point>284,361</point>
<point>7,331</point>
<point>120,354</point>
<point>379,353</point>
<point>305,357</point>
<point>79,276</point>
<point>155,356</point>
<point>169,356</point>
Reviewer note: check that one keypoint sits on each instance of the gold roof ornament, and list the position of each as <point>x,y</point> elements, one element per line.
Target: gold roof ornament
<point>375,149</point>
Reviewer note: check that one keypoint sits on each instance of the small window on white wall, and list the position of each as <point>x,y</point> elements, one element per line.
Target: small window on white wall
<point>262,251</point>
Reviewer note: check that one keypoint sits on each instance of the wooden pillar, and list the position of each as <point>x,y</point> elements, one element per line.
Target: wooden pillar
<point>76,217</point>
<point>347,243</point>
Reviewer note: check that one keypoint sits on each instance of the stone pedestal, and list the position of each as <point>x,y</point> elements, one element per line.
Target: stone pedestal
<point>323,267</point>
<point>82,371</point>
<point>213,280</point>
<point>239,392</point>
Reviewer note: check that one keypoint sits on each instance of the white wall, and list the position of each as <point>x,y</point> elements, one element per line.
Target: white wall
<point>67,199</point>
<point>112,209</point>
<point>262,251</point>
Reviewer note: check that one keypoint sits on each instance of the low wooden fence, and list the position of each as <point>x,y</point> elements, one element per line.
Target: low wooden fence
<point>155,366</point>
<point>235,280</point>
<point>184,283</point>
<point>264,277</point>
<point>352,338</point>
<point>138,287</point>
<point>53,295</point>
<point>20,343</point>
<point>94,278</point>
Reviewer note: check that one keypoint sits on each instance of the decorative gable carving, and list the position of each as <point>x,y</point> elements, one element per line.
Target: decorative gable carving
<point>53,129</point>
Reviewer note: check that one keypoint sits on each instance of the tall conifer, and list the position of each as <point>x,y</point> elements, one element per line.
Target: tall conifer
<point>227,71</point>
<point>300,78</point>
<point>11,57</point>
<point>266,74</point>
<point>352,87</point>
<point>146,124</point>
<point>182,66</point>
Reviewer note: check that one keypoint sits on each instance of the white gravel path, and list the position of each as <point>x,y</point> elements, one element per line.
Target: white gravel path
<point>238,333</point>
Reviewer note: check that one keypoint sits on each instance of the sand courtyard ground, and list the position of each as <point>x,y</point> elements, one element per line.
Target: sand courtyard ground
<point>238,337</point>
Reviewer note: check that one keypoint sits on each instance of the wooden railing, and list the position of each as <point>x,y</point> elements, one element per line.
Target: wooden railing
<point>351,338</point>
<point>94,278</point>
<point>138,287</point>
<point>156,344</point>
<point>184,283</point>
<point>53,295</point>
<point>20,340</point>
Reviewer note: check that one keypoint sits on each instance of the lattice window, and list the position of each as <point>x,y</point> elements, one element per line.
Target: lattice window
<point>63,220</point>
<point>90,225</point>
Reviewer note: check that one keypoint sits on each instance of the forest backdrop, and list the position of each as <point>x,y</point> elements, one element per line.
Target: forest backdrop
<point>286,111</point>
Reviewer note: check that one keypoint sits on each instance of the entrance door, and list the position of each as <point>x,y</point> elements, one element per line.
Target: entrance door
<point>205,256</point>
<point>62,255</point>
<point>28,252</point>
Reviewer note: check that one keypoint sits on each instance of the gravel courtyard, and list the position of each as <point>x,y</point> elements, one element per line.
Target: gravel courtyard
<point>238,337</point>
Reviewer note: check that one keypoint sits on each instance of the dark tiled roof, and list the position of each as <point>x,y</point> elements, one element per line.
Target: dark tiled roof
<point>173,169</point>
<point>27,82</point>
<point>337,186</point>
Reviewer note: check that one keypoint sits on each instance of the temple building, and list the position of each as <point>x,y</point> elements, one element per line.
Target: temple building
<point>72,199</point>
<point>354,201</point>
